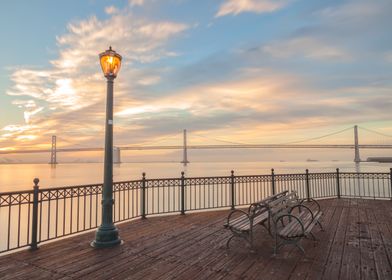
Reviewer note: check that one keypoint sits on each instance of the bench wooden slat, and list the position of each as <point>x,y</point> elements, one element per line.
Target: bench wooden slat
<point>313,222</point>
<point>292,226</point>
<point>242,223</point>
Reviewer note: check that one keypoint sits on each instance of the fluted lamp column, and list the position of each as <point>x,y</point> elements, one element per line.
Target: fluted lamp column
<point>107,233</point>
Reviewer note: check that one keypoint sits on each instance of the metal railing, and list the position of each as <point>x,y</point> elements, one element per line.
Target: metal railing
<point>28,218</point>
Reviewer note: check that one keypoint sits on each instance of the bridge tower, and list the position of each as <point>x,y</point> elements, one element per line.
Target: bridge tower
<point>357,158</point>
<point>185,154</point>
<point>116,155</point>
<point>53,151</point>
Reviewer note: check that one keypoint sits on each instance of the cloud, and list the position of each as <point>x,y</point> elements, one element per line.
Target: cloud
<point>355,20</point>
<point>256,100</point>
<point>18,135</point>
<point>308,77</point>
<point>72,89</point>
<point>110,10</point>
<point>149,80</point>
<point>308,47</point>
<point>136,2</point>
<point>28,114</point>
<point>236,7</point>
<point>388,56</point>
<point>354,10</point>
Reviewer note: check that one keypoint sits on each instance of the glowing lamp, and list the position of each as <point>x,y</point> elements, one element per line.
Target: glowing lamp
<point>107,233</point>
<point>110,63</point>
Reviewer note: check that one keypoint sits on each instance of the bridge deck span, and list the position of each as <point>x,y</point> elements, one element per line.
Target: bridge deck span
<point>201,147</point>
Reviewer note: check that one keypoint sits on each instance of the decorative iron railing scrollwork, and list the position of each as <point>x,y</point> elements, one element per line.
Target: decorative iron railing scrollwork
<point>59,212</point>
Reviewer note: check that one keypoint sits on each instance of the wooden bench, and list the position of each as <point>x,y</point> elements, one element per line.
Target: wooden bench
<point>294,221</point>
<point>241,223</point>
<point>286,217</point>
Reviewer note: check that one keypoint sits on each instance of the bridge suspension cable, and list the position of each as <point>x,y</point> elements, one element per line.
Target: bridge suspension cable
<point>171,136</point>
<point>376,132</point>
<point>72,143</point>
<point>318,137</point>
<point>220,140</point>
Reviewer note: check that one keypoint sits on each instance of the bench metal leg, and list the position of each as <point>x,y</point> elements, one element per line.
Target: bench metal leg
<point>299,247</point>
<point>313,237</point>
<point>228,242</point>
<point>321,227</point>
<point>248,238</point>
<point>295,242</point>
<point>276,244</point>
<point>251,240</point>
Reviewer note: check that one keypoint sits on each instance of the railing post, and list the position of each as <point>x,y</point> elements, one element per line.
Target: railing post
<point>182,193</point>
<point>273,181</point>
<point>34,224</point>
<point>143,196</point>
<point>390,179</point>
<point>337,182</point>
<point>307,185</point>
<point>232,191</point>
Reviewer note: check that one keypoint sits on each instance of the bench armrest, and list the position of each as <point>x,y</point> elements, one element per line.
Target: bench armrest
<point>300,206</point>
<point>294,223</point>
<point>314,202</point>
<point>257,208</point>
<point>243,213</point>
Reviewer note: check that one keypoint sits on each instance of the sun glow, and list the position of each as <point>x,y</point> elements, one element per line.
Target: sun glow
<point>7,149</point>
<point>26,137</point>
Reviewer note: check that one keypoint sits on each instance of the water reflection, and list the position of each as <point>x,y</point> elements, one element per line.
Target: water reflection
<point>15,177</point>
<point>357,167</point>
<point>185,169</point>
<point>53,173</point>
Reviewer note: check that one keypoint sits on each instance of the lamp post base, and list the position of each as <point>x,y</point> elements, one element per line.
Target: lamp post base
<point>106,236</point>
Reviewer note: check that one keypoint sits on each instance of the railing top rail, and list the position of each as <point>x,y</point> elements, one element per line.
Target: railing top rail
<point>17,192</point>
<point>159,179</point>
<point>70,187</point>
<point>189,178</point>
<point>211,177</point>
<point>370,173</point>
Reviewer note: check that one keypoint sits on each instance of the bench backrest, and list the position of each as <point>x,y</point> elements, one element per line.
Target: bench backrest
<point>283,203</point>
<point>261,206</point>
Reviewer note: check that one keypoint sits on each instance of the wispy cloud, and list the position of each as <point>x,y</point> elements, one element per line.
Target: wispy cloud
<point>72,89</point>
<point>354,10</point>
<point>236,7</point>
<point>309,47</point>
<point>388,56</point>
<point>136,2</point>
<point>312,75</point>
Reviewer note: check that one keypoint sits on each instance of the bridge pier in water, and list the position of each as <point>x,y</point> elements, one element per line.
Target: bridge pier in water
<point>357,158</point>
<point>53,150</point>
<point>116,155</point>
<point>185,151</point>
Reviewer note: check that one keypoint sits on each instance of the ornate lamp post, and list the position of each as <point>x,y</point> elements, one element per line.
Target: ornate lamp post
<point>107,233</point>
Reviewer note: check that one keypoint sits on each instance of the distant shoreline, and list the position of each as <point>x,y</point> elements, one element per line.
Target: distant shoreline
<point>379,159</point>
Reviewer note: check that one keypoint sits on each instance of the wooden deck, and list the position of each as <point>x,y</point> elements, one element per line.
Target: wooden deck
<point>357,244</point>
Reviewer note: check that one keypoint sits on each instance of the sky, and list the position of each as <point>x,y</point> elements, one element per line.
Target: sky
<point>246,71</point>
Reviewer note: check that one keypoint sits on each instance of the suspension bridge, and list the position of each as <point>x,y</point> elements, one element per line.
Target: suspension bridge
<point>356,146</point>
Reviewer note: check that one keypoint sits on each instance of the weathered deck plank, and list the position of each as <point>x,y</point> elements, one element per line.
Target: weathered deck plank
<point>334,263</point>
<point>351,260</point>
<point>368,266</point>
<point>357,244</point>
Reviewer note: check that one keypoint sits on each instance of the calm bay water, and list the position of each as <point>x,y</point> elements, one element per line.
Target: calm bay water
<point>14,177</point>
<point>60,217</point>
